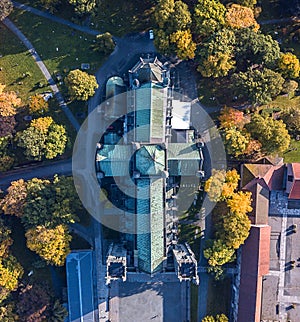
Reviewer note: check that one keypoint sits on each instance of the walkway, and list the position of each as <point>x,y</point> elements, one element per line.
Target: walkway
<point>45,72</point>
<point>55,19</point>
<point>40,171</point>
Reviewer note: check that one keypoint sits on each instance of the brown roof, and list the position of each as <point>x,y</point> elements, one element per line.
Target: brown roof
<point>296,170</point>
<point>295,189</point>
<point>254,264</point>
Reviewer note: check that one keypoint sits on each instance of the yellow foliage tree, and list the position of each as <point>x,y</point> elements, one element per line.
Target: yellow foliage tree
<point>240,202</point>
<point>185,47</point>
<point>51,244</point>
<point>42,124</point>
<point>241,17</point>
<point>37,104</point>
<point>216,65</point>
<point>10,272</point>
<point>289,65</point>
<point>8,102</point>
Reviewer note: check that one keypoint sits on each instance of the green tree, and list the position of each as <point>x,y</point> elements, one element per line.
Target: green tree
<point>6,162</point>
<point>81,85</point>
<point>259,86</point>
<point>83,6</point>
<point>180,19</point>
<point>7,313</point>
<point>272,134</point>
<point>5,239</point>
<point>53,245</point>
<point>163,11</point>
<point>236,142</point>
<point>216,65</point>
<point>162,42</point>
<point>289,65</point>
<point>209,16</point>
<point>255,48</point>
<point>58,312</point>
<point>56,141</point>
<point>104,43</point>
<point>291,118</point>
<point>37,105</point>
<point>289,87</point>
<point>51,204</point>
<point>6,7</point>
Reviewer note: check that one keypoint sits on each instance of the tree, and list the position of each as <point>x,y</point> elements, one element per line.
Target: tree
<point>239,17</point>
<point>6,7</point>
<point>14,201</point>
<point>219,253</point>
<point>81,85</point>
<point>8,102</point>
<point>37,105</point>
<point>236,141</point>
<point>240,202</point>
<point>221,318</point>
<point>10,272</point>
<point>180,19</point>
<point>221,184</point>
<point>53,245</point>
<point>5,239</point>
<point>231,117</point>
<point>51,204</point>
<point>104,43</point>
<point>208,318</point>
<point>272,134</point>
<point>289,65</point>
<point>255,48</point>
<point>185,47</point>
<point>216,65</point>
<point>6,162</point>
<point>291,118</point>
<point>34,303</point>
<point>289,87</point>
<point>58,312</point>
<point>162,41</point>
<point>259,86</point>
<point>43,138</point>
<point>7,125</point>
<point>163,11</point>
<point>83,6</point>
<point>209,16</point>
<point>7,313</point>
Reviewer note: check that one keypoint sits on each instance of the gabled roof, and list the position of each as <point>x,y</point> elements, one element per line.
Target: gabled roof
<point>150,160</point>
<point>295,188</point>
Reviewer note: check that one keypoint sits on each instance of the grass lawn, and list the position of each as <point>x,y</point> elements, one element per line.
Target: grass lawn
<point>218,296</point>
<point>61,48</point>
<point>293,154</point>
<point>16,61</point>
<point>123,17</point>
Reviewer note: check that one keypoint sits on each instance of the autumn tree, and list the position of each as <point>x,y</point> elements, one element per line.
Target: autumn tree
<point>14,201</point>
<point>44,138</point>
<point>8,314</point>
<point>104,43</point>
<point>221,318</point>
<point>259,86</point>
<point>185,47</point>
<point>272,134</point>
<point>6,8</point>
<point>37,104</point>
<point>221,184</point>
<point>236,141</point>
<point>53,245</point>
<point>34,303</point>
<point>238,17</point>
<point>6,162</point>
<point>231,117</point>
<point>289,65</point>
<point>8,102</point>
<point>82,7</point>
<point>219,253</point>
<point>81,85</point>
<point>209,16</point>
<point>181,17</point>
<point>5,239</point>
<point>208,318</point>
<point>289,86</point>
<point>247,3</point>
<point>7,125</point>
<point>10,272</point>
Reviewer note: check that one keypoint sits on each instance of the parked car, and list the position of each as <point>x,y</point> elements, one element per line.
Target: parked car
<point>151,34</point>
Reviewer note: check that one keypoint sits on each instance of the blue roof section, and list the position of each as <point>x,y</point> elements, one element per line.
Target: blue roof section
<point>79,266</point>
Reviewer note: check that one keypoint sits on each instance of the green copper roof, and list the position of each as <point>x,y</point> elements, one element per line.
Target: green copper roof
<point>113,160</point>
<point>150,101</point>
<point>150,217</point>
<point>150,160</point>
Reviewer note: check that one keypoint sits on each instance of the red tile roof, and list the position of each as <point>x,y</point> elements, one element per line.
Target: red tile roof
<point>255,263</point>
<point>295,190</point>
<point>296,170</point>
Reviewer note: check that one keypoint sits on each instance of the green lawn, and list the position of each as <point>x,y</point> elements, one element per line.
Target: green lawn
<point>293,154</point>
<point>60,47</point>
<point>15,61</point>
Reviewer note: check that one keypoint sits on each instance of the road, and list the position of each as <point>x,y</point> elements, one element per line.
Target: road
<point>40,171</point>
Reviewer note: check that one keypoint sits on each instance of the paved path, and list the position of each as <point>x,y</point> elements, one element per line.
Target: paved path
<point>55,19</point>
<point>41,171</point>
<point>275,21</point>
<point>45,72</point>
